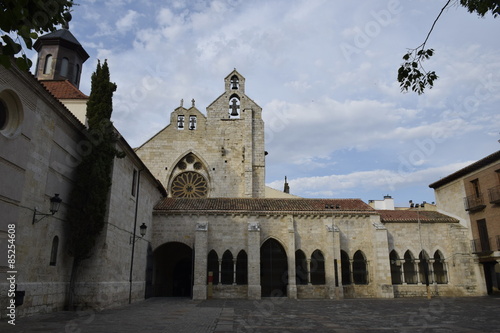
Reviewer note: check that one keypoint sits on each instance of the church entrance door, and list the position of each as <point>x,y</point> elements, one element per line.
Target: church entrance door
<point>273,269</point>
<point>173,270</point>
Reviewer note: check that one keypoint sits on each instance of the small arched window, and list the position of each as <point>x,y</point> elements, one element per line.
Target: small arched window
<point>213,266</point>
<point>423,267</point>
<point>64,67</point>
<point>53,252</point>
<point>395,267</point>
<point>345,268</point>
<point>47,67</point>
<point>235,82</point>
<point>317,268</point>
<point>242,268</point>
<point>234,106</point>
<point>439,267</point>
<point>359,269</point>
<point>300,268</point>
<point>409,268</point>
<point>227,268</point>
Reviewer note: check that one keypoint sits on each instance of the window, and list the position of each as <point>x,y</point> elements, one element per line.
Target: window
<point>439,268</point>
<point>134,182</point>
<point>47,67</point>
<point>53,252</point>
<point>11,115</point>
<point>213,266</point>
<point>410,274</point>
<point>242,268</point>
<point>180,122</point>
<point>395,267</point>
<point>227,268</point>
<point>423,268</point>
<point>234,106</point>
<point>64,67</point>
<point>359,269</point>
<point>235,82</point>
<point>300,268</point>
<point>317,268</point>
<point>192,122</point>
<point>475,188</point>
<point>345,268</point>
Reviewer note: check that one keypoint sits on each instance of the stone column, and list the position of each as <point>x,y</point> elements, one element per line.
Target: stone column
<point>220,271</point>
<point>417,266</point>
<point>292,282</point>
<point>332,253</point>
<point>253,250</point>
<point>200,261</point>
<point>308,271</point>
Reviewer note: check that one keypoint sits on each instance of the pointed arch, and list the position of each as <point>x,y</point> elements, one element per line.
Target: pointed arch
<point>395,267</point>
<point>273,269</point>
<point>317,268</point>
<point>345,267</point>
<point>227,268</point>
<point>300,268</point>
<point>213,266</point>
<point>359,268</point>
<point>242,268</point>
<point>439,268</point>
<point>410,273</point>
<point>47,67</point>
<point>423,267</point>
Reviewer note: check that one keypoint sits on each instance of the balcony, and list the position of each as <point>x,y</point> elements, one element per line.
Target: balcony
<point>493,244</point>
<point>494,194</point>
<point>474,203</point>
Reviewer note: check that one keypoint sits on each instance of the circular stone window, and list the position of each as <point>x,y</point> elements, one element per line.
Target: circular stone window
<point>182,165</point>
<point>190,159</point>
<point>11,115</point>
<point>197,166</point>
<point>189,185</point>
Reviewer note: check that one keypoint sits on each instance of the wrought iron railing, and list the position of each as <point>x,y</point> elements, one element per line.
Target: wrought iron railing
<point>474,202</point>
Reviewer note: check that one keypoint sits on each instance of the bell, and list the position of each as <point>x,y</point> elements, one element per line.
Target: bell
<point>234,85</point>
<point>234,108</point>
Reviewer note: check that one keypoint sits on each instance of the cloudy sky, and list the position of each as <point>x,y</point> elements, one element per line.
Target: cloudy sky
<point>324,72</point>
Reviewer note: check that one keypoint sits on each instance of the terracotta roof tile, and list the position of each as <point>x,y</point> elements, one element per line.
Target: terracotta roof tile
<point>63,89</point>
<point>414,216</point>
<point>263,205</point>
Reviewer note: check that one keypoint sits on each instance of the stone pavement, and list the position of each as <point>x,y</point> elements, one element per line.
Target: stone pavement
<point>472,314</point>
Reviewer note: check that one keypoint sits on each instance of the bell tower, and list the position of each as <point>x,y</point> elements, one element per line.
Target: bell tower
<point>60,56</point>
<point>237,125</point>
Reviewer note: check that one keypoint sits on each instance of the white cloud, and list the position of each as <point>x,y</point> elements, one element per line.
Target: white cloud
<point>127,22</point>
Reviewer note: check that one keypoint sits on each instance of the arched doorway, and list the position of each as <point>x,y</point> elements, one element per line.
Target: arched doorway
<point>173,270</point>
<point>273,269</point>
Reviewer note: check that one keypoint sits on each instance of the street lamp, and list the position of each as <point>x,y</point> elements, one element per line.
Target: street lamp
<point>55,202</point>
<point>142,231</point>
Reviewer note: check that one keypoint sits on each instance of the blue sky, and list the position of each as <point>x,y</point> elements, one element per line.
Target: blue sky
<point>324,72</point>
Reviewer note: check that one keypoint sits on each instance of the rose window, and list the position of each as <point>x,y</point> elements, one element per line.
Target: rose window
<point>189,185</point>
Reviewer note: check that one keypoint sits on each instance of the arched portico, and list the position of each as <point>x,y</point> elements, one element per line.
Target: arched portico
<point>273,269</point>
<point>173,270</point>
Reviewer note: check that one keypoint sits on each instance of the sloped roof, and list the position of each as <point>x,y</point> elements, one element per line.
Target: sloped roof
<point>63,89</point>
<point>414,216</point>
<point>262,205</point>
<point>468,169</point>
<point>61,37</point>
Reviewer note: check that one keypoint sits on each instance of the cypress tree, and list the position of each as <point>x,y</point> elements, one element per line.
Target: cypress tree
<point>89,196</point>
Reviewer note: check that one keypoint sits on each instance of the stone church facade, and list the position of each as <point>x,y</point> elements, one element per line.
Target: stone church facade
<point>214,230</point>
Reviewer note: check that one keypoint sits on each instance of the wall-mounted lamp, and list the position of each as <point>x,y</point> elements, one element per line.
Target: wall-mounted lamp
<point>55,202</point>
<point>142,231</point>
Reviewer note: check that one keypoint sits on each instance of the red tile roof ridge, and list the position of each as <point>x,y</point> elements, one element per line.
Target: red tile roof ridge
<point>63,89</point>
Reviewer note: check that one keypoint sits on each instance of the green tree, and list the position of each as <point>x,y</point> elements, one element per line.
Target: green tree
<point>412,75</point>
<point>21,21</point>
<point>89,197</point>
